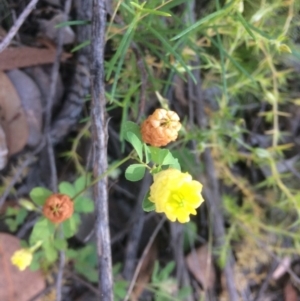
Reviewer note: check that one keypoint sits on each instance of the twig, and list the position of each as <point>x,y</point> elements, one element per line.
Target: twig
<point>60,273</point>
<point>145,252</point>
<point>14,29</point>
<point>99,137</point>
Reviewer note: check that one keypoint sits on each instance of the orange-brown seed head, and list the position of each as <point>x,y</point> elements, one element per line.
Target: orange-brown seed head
<point>160,128</point>
<point>58,208</point>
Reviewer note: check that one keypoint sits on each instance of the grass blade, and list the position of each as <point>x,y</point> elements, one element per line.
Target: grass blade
<point>245,24</point>
<point>206,19</point>
<point>172,51</point>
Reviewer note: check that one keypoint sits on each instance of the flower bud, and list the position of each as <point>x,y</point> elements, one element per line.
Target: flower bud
<point>58,208</point>
<point>160,128</point>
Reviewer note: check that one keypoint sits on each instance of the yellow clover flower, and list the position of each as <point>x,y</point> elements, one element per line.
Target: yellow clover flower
<point>22,258</point>
<point>176,194</point>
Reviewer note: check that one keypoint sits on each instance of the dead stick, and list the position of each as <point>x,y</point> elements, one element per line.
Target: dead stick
<point>99,138</point>
<point>12,32</point>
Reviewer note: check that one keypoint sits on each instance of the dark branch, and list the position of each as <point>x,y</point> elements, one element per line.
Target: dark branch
<point>99,137</point>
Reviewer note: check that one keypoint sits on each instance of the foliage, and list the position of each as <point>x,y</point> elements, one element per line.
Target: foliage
<point>245,51</point>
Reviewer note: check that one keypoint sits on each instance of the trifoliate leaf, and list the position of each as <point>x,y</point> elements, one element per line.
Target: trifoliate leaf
<point>39,195</point>
<point>135,172</point>
<point>67,188</point>
<point>136,143</point>
<point>132,127</point>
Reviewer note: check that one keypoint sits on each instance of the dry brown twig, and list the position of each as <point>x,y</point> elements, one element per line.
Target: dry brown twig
<point>99,138</point>
<point>14,29</point>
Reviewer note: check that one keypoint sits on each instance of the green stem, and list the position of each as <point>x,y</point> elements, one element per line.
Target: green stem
<point>104,175</point>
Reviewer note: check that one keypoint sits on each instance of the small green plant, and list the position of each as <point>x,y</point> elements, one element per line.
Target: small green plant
<point>164,286</point>
<point>52,237</point>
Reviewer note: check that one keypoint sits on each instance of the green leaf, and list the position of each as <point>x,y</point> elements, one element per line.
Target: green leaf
<point>21,215</point>
<point>156,12</point>
<point>158,154</point>
<point>135,172</point>
<point>186,160</point>
<point>82,182</point>
<point>154,277</point>
<point>89,273</point>
<point>120,54</point>
<point>132,127</point>
<point>50,252</point>
<point>42,230</point>
<point>166,271</point>
<point>233,61</point>
<point>72,23</point>
<point>172,50</point>
<point>147,153</point>
<point>171,161</point>
<point>245,24</point>
<point>147,205</point>
<point>136,143</point>
<point>60,244</point>
<point>81,45</point>
<point>84,204</point>
<point>39,195</point>
<point>204,20</point>
<point>12,225</point>
<point>262,33</point>
<point>120,289</point>
<point>70,225</point>
<point>122,48</point>
<point>35,263</point>
<point>67,188</point>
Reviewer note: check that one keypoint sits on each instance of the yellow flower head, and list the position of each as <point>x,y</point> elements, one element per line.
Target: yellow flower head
<point>22,258</point>
<point>176,194</point>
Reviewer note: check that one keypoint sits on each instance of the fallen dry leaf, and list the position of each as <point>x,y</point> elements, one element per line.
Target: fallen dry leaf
<point>14,284</point>
<point>20,57</point>
<point>199,263</point>
<point>12,116</point>
<point>290,292</point>
<point>31,100</point>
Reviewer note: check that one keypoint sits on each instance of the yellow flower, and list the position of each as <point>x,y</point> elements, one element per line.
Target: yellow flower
<point>176,194</point>
<point>22,258</point>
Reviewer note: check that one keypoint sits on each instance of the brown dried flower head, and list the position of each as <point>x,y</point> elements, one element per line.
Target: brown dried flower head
<point>160,128</point>
<point>58,207</point>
